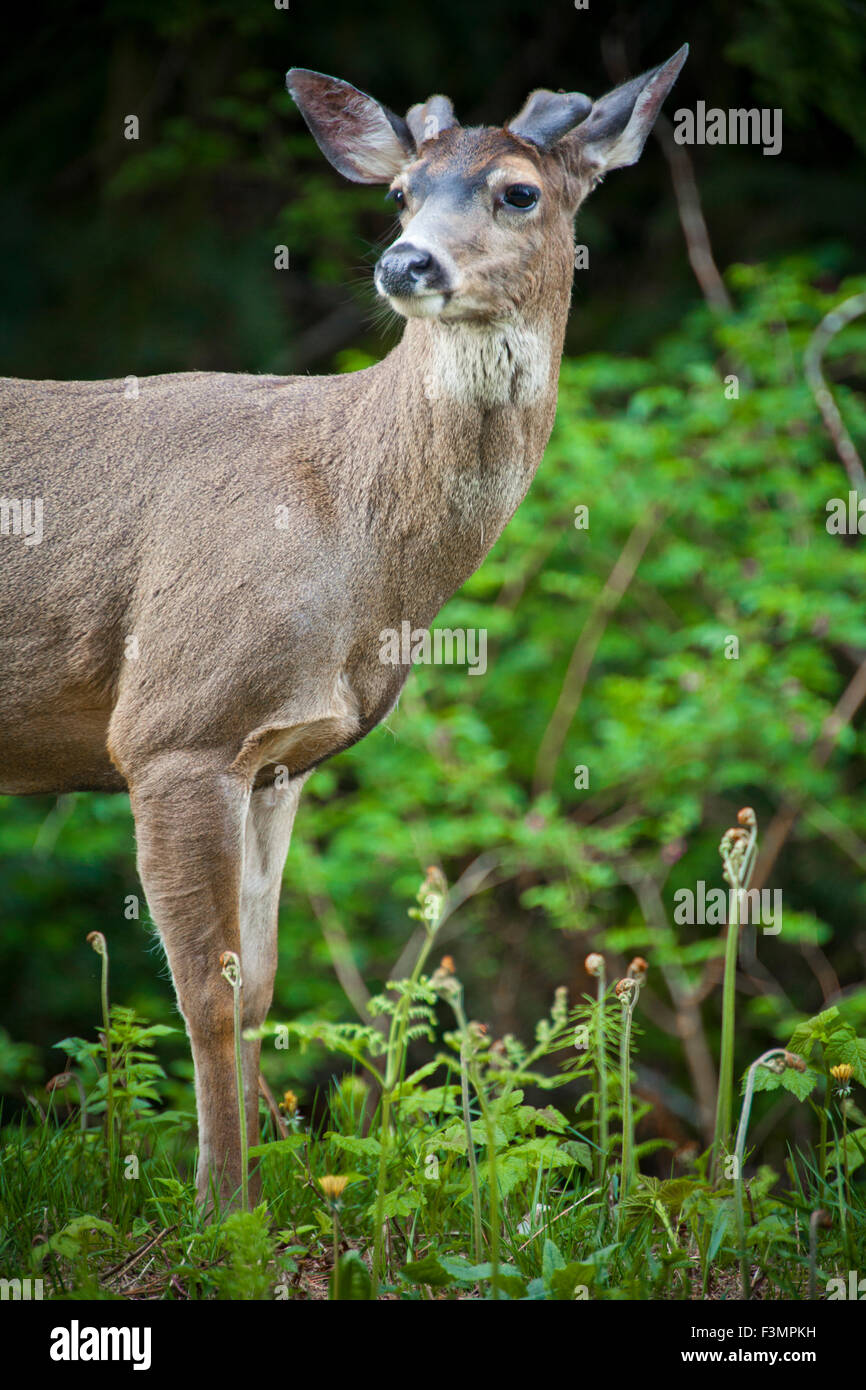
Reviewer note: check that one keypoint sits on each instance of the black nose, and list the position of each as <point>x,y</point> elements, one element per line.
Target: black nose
<point>405,269</point>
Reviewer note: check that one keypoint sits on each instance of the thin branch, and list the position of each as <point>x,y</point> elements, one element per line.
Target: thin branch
<point>340,951</point>
<point>149,1245</point>
<point>545,1224</point>
<point>686,192</point>
<point>827,329</point>
<point>49,830</point>
<point>697,237</point>
<point>821,968</point>
<point>839,834</point>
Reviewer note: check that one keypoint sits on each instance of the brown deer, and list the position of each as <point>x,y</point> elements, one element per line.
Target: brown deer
<point>199,608</point>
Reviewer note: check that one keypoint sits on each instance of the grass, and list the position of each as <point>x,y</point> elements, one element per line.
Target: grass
<point>494,1169</point>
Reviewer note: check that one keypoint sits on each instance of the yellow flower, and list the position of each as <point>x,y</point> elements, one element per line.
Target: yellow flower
<point>333,1185</point>
<point>289,1102</point>
<point>842,1074</point>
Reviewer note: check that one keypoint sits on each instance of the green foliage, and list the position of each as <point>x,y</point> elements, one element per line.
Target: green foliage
<point>571,1244</point>
<point>838,1041</point>
<point>249,1247</point>
<point>137,1070</point>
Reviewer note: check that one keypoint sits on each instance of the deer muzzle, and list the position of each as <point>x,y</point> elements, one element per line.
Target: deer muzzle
<point>412,276</point>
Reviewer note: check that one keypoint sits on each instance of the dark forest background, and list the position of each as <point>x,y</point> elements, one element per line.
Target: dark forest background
<point>128,257</point>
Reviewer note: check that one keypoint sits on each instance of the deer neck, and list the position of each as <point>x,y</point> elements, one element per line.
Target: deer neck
<point>483,367</point>
<point>464,412</point>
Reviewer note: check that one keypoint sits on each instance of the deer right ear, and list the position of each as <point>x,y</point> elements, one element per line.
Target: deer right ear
<point>363,140</point>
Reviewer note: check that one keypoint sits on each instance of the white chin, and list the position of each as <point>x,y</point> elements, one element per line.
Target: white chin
<point>418,306</point>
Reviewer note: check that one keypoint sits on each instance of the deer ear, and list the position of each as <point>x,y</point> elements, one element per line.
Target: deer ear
<point>546,116</point>
<point>429,118</point>
<point>615,131</point>
<point>363,140</point>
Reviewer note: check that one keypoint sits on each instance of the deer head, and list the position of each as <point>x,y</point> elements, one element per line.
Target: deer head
<point>485,213</point>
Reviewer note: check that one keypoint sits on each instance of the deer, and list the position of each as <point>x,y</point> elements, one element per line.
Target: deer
<point>162,636</point>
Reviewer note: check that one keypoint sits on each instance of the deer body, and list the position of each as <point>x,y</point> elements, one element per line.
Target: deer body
<point>368,537</point>
<point>221,553</point>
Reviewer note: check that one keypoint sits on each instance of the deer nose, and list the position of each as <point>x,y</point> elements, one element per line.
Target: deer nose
<point>404,269</point>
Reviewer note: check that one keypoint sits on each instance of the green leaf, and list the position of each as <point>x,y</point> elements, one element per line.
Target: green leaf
<point>366,1145</point>
<point>580,1152</point>
<point>564,1281</point>
<point>673,1192</point>
<point>800,1084</point>
<point>721,1222</point>
<point>514,1285</point>
<point>817,1029</point>
<point>551,1260</point>
<point>464,1272</point>
<point>350,1281</point>
<point>850,1051</point>
<point>855,1149</point>
<point>427,1271</point>
<point>78,1237</point>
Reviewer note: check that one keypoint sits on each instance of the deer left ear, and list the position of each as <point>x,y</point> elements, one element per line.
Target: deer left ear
<point>616,129</point>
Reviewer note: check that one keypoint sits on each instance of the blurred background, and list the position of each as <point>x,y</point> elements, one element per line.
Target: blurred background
<point>686,426</point>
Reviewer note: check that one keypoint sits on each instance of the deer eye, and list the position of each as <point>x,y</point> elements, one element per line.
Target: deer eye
<point>397,197</point>
<point>521,195</point>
